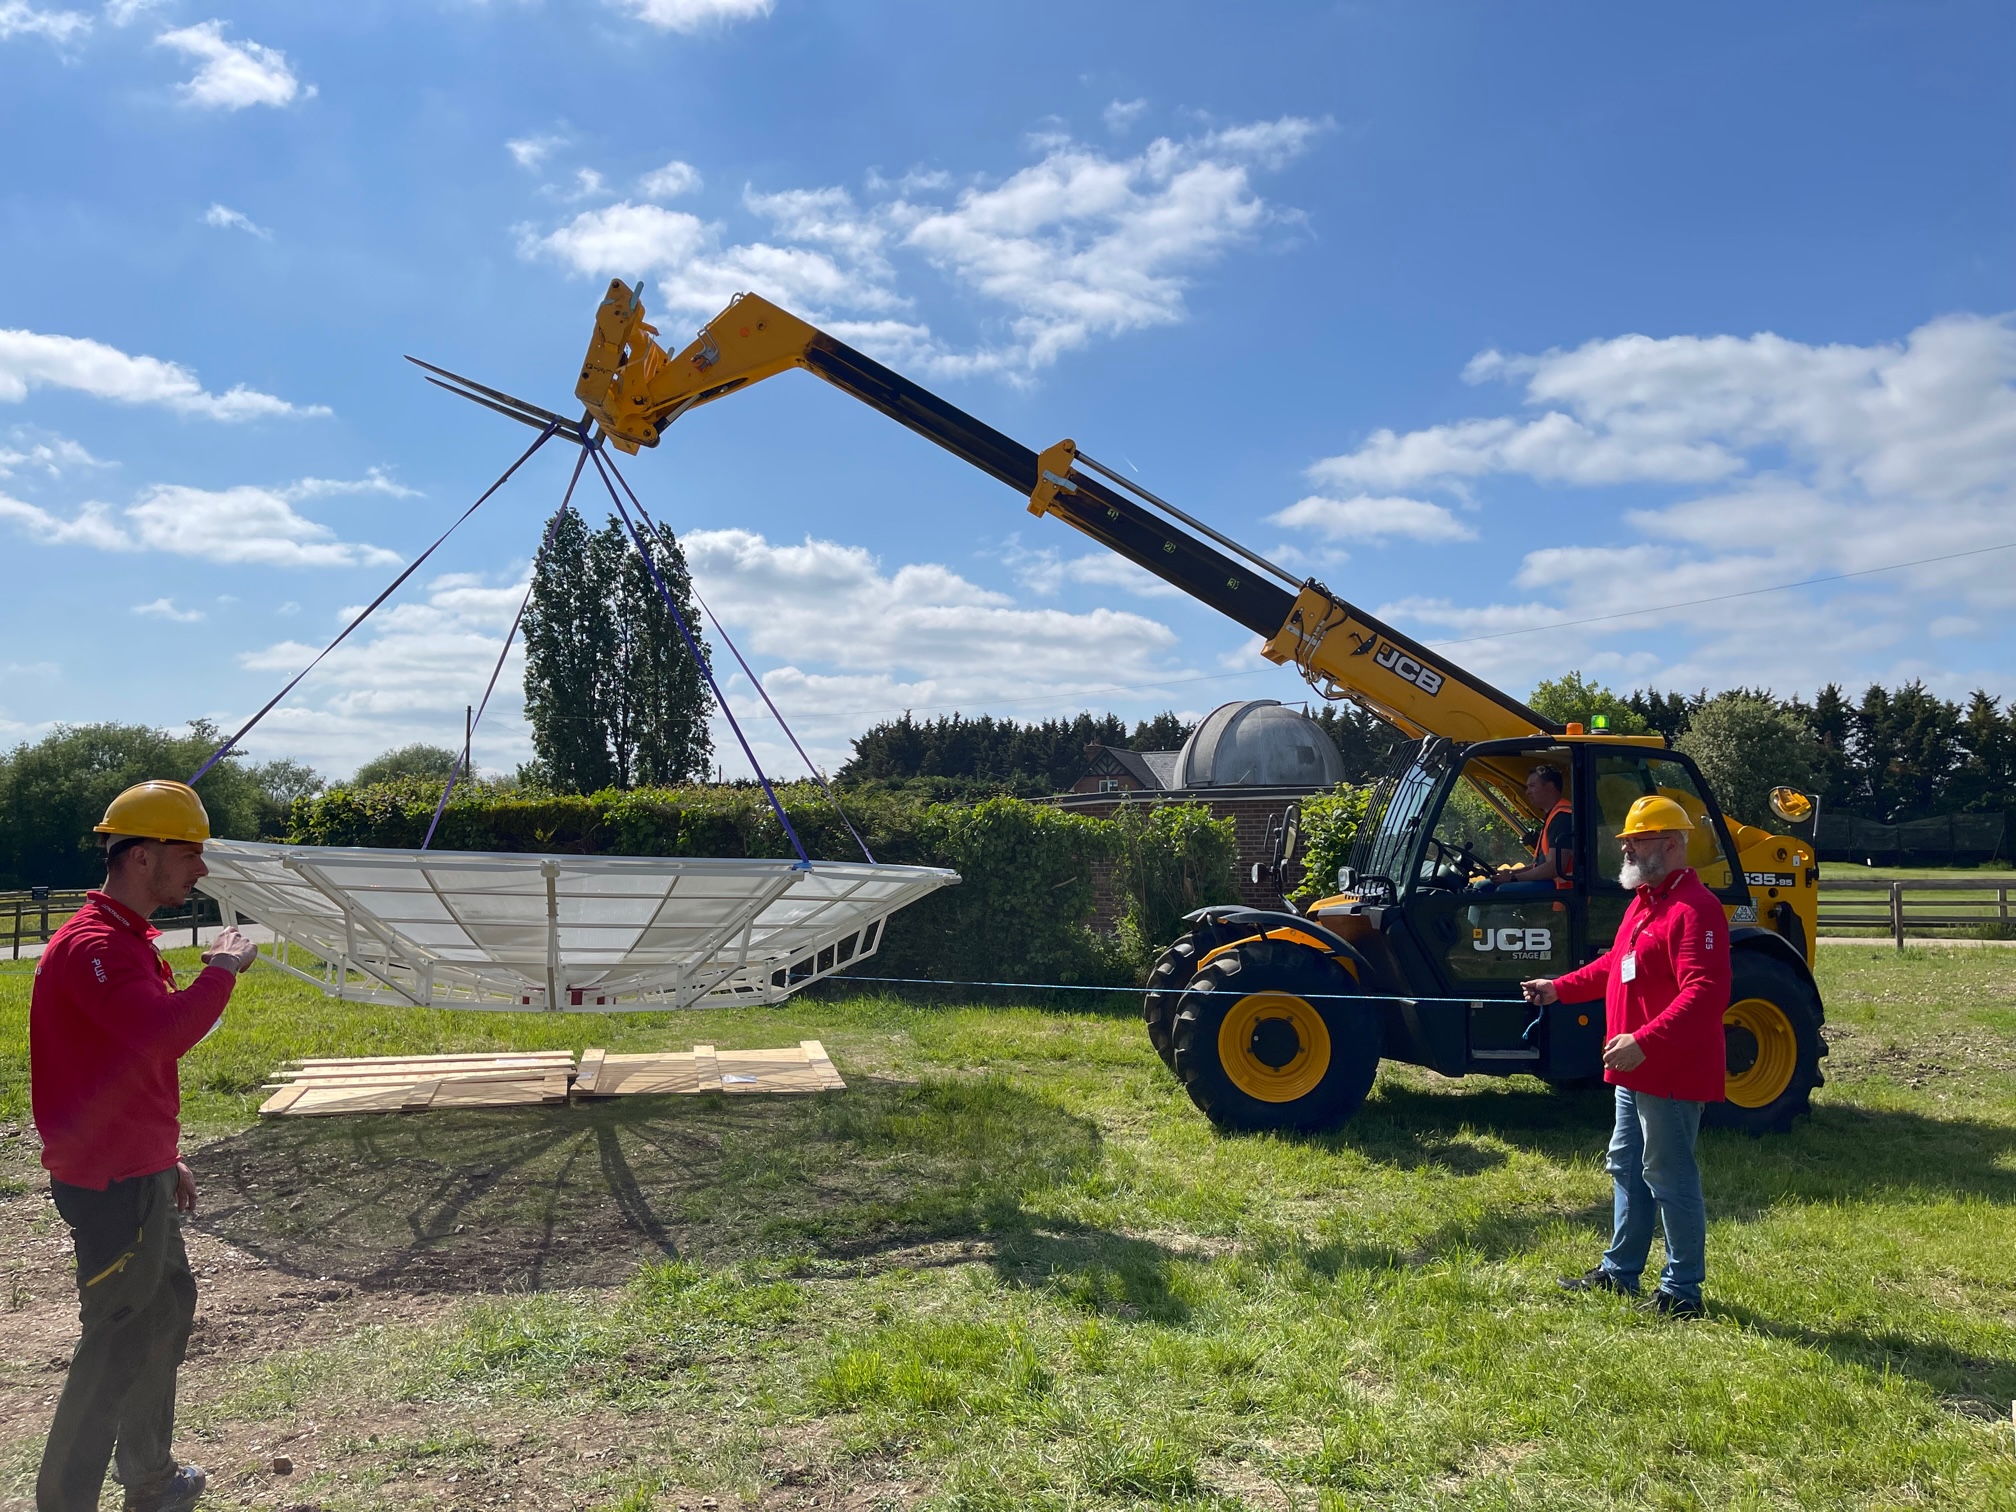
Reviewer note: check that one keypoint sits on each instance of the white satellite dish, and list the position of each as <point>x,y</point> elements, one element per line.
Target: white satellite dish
<point>588,934</point>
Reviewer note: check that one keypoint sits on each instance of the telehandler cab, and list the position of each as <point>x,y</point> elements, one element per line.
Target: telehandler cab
<point>1278,1019</point>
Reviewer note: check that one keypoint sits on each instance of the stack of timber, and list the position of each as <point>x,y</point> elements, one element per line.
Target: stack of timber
<point>805,1068</point>
<point>416,1083</point>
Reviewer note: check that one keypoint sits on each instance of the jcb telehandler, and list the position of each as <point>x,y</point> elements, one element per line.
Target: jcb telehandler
<point>1279,1019</point>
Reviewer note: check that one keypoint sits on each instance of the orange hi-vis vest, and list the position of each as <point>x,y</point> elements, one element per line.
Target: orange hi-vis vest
<point>1564,866</point>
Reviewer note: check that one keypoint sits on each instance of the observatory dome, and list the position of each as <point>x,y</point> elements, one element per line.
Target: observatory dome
<point>1258,743</point>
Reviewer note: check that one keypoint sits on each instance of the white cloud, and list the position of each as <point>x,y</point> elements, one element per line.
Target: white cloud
<point>860,643</point>
<point>1079,245</point>
<point>28,358</point>
<point>587,185</point>
<point>164,608</point>
<point>1936,411</point>
<point>404,678</point>
<point>126,12</point>
<point>46,453</point>
<point>1121,115</point>
<point>1045,571</point>
<point>374,481</point>
<point>671,181</point>
<point>233,75</point>
<point>1365,517</point>
<point>694,15</point>
<point>92,525</point>
<point>225,218</point>
<point>246,524</point>
<point>19,19</point>
<point>530,153</point>
<point>242,524</point>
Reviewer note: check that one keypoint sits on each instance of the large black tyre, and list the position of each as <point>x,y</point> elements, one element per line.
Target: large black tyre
<point>1172,973</point>
<point>1771,1035</point>
<point>1268,1036</point>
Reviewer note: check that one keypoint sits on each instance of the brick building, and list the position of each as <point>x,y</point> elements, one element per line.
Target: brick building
<point>1245,761</point>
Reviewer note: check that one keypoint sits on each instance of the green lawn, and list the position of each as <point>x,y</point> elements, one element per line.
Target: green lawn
<point>1011,1267</point>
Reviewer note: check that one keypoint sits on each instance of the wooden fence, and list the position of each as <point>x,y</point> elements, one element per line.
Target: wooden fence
<point>1919,904</point>
<point>36,913</point>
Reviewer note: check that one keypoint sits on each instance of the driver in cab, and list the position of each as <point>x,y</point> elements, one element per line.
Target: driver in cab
<point>1552,868</point>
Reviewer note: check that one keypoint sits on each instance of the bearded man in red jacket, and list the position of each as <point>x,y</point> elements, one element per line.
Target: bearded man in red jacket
<point>106,1027</point>
<point>1665,987</point>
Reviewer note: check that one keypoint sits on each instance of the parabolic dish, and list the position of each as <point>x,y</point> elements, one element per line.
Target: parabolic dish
<point>591,934</point>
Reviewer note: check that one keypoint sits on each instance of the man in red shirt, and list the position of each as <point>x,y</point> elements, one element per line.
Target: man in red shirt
<point>1665,986</point>
<point>106,1027</point>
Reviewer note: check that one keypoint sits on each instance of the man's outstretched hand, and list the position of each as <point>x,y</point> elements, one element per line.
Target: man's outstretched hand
<point>185,1189</point>
<point>1539,991</point>
<point>231,950</point>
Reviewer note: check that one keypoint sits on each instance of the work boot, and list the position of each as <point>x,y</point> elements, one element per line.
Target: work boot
<point>178,1495</point>
<point>1672,1305</point>
<point>1597,1280</point>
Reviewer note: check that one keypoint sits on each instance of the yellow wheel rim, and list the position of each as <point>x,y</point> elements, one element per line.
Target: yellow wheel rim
<point>1275,1046</point>
<point>1763,1052</point>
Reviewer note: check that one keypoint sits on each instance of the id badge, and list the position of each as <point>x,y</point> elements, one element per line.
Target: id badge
<point>1628,970</point>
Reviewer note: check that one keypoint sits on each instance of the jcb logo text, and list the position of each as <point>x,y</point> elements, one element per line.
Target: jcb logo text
<point>1518,941</point>
<point>1406,668</point>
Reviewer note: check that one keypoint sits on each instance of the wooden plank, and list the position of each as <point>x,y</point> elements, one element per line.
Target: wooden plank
<point>706,1068</point>
<point>420,1098</point>
<point>423,1066</point>
<point>629,1075</point>
<point>280,1101</point>
<point>591,1068</point>
<point>527,1056</point>
<point>744,1071</point>
<point>404,1077</point>
<point>817,1058</point>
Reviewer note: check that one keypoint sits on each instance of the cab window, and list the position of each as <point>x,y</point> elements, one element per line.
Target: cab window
<point>1622,778</point>
<point>1486,821</point>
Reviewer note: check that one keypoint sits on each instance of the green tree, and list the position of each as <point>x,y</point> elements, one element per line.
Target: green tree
<point>1165,732</point>
<point>1573,699</point>
<point>1367,743</point>
<point>1745,745</point>
<point>54,791</point>
<point>654,696</point>
<point>570,635</point>
<point>613,695</point>
<point>1329,830</point>
<point>419,760</point>
<point>1170,859</point>
<point>1666,714</point>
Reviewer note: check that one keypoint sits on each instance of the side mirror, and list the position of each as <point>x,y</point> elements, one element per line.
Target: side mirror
<point>1791,805</point>
<point>1345,878</point>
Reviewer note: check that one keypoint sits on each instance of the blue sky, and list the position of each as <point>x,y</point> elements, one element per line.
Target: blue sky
<point>1493,317</point>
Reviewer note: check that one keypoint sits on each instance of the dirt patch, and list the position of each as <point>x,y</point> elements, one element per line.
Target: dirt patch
<point>526,1199</point>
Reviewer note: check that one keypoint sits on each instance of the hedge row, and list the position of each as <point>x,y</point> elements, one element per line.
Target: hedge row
<point>1021,913</point>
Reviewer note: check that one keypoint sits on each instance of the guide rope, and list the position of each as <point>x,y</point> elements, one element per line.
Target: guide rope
<point>593,450</point>
<point>756,682</point>
<point>464,760</point>
<point>225,749</point>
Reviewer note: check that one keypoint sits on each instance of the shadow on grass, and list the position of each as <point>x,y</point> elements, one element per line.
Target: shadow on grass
<point>1839,1153</point>
<point>1953,1374</point>
<point>525,1199</point>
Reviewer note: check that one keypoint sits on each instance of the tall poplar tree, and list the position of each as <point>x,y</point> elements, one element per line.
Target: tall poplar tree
<point>612,693</point>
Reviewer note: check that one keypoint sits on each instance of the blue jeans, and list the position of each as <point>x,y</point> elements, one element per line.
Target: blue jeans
<point>1652,1164</point>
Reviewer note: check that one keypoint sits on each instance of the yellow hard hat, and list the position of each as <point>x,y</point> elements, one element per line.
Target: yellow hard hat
<point>158,810</point>
<point>1653,815</point>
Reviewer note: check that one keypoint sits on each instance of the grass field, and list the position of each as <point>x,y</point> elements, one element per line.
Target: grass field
<point>1010,1267</point>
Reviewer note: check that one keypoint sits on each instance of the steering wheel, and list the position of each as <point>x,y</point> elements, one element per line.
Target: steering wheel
<point>1459,859</point>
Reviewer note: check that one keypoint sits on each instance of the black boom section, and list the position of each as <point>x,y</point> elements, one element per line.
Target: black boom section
<point>1109,517</point>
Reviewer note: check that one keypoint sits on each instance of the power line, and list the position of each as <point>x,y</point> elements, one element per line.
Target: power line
<point>1723,598</point>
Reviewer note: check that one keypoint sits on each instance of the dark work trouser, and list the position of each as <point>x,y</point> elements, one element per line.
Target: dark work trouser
<point>137,1302</point>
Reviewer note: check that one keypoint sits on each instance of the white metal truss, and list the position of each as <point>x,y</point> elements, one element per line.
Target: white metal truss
<point>591,934</point>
